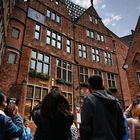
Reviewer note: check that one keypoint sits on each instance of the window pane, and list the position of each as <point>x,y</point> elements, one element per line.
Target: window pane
<point>58,37</point>
<point>36,35</point>
<point>37,27</point>
<point>34,54</point>
<point>54,35</point>
<point>40,56</point>
<point>12,58</point>
<point>46,69</point>
<point>58,45</point>
<point>48,40</point>
<point>58,72</point>
<point>58,19</point>
<point>39,67</point>
<point>48,32</point>
<point>84,55</point>
<point>32,64</point>
<point>44,93</point>
<point>37,93</point>
<point>58,62</point>
<point>48,13</point>
<point>46,58</point>
<point>30,92</point>
<point>54,43</point>
<point>64,74</point>
<point>15,33</point>
<point>53,16</point>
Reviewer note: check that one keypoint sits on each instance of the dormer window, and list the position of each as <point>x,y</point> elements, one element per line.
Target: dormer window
<point>55,1</point>
<point>93,19</point>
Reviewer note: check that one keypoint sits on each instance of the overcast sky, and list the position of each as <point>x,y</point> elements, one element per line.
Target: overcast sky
<point>120,16</point>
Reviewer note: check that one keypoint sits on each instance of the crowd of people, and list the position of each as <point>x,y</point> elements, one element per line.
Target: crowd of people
<point>101,117</point>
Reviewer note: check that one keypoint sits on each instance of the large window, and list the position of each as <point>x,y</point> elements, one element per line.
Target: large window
<point>138,75</point>
<point>83,74</point>
<point>108,58</point>
<point>37,32</point>
<point>34,96</point>
<point>12,58</point>
<point>95,55</point>
<point>111,80</point>
<point>52,15</point>
<point>64,70</point>
<point>69,45</point>
<point>82,51</point>
<point>54,39</point>
<point>40,62</point>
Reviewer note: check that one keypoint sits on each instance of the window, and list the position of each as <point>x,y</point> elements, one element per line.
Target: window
<point>68,46</point>
<point>83,75</point>
<point>56,1</point>
<point>40,62</point>
<point>37,31</point>
<point>95,55</point>
<point>53,16</point>
<point>12,58</point>
<point>15,33</point>
<point>138,75</point>
<point>54,39</point>
<point>111,80</point>
<point>64,70</point>
<point>34,96</point>
<point>108,58</point>
<point>93,19</point>
<point>90,34</point>
<point>98,72</point>
<point>100,37</point>
<point>68,96</point>
<point>82,51</point>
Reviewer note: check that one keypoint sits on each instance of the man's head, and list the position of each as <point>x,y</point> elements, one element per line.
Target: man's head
<point>95,82</point>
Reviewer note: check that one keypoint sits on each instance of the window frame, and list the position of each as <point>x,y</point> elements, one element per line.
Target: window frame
<point>38,31</point>
<point>95,55</point>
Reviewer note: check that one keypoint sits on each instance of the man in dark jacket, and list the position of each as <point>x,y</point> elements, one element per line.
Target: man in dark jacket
<point>10,127</point>
<point>101,115</point>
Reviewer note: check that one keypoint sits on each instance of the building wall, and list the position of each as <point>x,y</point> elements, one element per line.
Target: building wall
<point>25,17</point>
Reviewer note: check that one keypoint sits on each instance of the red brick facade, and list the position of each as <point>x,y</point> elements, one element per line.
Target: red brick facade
<point>132,64</point>
<point>86,36</point>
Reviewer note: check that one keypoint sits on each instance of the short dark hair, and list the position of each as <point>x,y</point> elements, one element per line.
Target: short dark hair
<point>95,82</point>
<point>1,96</point>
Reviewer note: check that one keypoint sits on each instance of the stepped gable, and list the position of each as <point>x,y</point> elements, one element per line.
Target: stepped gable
<point>75,11</point>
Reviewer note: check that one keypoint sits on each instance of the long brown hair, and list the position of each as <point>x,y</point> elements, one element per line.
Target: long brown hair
<point>54,104</point>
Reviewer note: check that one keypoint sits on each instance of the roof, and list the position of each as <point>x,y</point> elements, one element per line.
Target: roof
<point>75,11</point>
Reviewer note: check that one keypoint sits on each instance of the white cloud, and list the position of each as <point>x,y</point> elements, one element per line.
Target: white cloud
<point>112,20</point>
<point>103,6</point>
<point>86,3</point>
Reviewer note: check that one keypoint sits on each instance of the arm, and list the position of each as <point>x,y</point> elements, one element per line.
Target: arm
<point>86,119</point>
<point>14,126</point>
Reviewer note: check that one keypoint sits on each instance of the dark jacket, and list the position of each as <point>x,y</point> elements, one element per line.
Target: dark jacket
<point>55,129</point>
<point>10,128</point>
<point>101,117</point>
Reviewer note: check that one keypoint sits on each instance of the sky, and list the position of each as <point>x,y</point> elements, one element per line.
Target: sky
<point>120,16</point>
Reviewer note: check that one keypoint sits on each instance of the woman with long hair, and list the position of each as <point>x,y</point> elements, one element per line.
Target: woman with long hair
<point>52,117</point>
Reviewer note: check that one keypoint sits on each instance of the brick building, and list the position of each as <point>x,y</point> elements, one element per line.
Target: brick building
<point>57,43</point>
<point>132,64</point>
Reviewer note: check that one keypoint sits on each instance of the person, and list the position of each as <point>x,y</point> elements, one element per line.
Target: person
<point>52,117</point>
<point>101,114</point>
<point>10,127</point>
<point>27,134</point>
<point>74,132</point>
<point>133,118</point>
